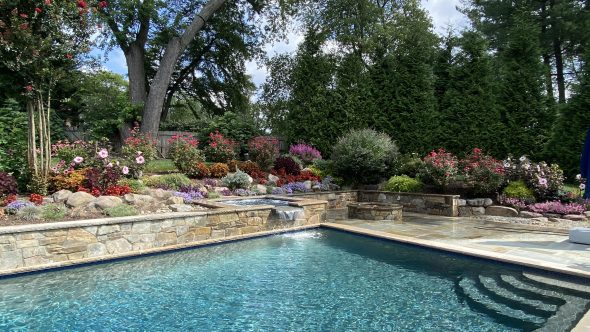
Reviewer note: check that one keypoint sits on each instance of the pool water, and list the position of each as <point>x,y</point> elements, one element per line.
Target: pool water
<point>318,280</point>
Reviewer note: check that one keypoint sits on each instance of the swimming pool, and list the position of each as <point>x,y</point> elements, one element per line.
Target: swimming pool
<point>313,280</point>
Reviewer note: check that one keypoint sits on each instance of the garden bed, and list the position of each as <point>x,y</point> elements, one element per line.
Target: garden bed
<point>541,222</point>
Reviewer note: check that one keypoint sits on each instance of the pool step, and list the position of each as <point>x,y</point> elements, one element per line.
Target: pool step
<point>471,292</point>
<point>534,306</point>
<point>567,315</point>
<point>569,285</point>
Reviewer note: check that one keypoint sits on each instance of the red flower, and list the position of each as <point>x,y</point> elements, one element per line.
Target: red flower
<point>102,4</point>
<point>23,15</point>
<point>48,2</point>
<point>69,56</point>
<point>81,4</point>
<point>38,10</point>
<point>24,26</point>
<point>29,88</point>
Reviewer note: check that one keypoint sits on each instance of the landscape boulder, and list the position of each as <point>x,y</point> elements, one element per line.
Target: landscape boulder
<point>107,202</point>
<point>61,196</point>
<point>501,211</point>
<point>78,199</point>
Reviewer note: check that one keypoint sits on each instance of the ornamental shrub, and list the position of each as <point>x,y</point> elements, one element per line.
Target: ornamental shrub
<point>557,207</point>
<point>137,151</point>
<point>185,154</point>
<point>545,180</point>
<point>29,213</point>
<point>518,189</point>
<point>8,184</point>
<point>264,150</point>
<point>136,186</point>
<point>407,164</point>
<point>201,171</point>
<point>69,180</point>
<point>67,151</point>
<point>364,156</point>
<point>14,207</point>
<point>306,153</point>
<point>237,180</point>
<point>403,183</point>
<point>439,168</point>
<point>484,174</point>
<point>122,210</point>
<point>249,167</point>
<point>220,149</point>
<point>170,181</point>
<point>54,211</point>
<point>288,164</point>
<point>218,170</point>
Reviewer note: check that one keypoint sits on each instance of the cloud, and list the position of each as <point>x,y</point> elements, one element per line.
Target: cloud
<point>444,14</point>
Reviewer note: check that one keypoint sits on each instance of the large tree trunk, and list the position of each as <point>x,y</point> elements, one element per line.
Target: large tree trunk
<point>557,53</point>
<point>157,94</point>
<point>135,58</point>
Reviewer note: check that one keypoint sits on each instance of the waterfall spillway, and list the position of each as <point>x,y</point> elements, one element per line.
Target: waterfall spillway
<point>289,213</point>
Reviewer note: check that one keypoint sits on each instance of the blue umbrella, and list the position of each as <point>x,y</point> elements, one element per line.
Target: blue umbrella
<point>585,162</point>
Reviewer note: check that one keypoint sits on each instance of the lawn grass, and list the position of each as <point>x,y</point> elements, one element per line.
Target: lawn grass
<point>160,166</point>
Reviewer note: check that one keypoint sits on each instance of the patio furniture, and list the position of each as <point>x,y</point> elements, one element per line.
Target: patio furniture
<point>580,235</point>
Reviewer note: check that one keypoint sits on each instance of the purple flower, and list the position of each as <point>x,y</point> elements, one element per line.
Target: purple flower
<point>78,159</point>
<point>557,207</point>
<point>103,153</point>
<point>305,152</point>
<point>140,160</point>
<point>15,206</point>
<point>125,170</point>
<point>189,197</point>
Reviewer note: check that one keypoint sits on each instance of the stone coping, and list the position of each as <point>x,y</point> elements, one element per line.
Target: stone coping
<point>408,193</point>
<point>218,203</point>
<point>137,254</point>
<point>458,249</point>
<point>217,209</point>
<point>376,206</point>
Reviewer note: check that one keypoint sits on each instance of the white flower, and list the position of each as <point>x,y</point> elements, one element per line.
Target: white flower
<point>506,164</point>
<point>109,165</point>
<point>140,160</point>
<point>543,182</point>
<point>579,177</point>
<point>526,166</point>
<point>582,186</point>
<point>522,158</point>
<point>125,170</point>
<point>78,160</point>
<point>103,153</point>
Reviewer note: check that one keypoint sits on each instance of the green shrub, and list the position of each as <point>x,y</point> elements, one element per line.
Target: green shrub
<point>237,180</point>
<point>121,211</point>
<point>54,211</point>
<point>137,186</point>
<point>170,181</point>
<point>518,189</point>
<point>364,156</point>
<point>403,183</point>
<point>408,164</point>
<point>213,195</point>
<point>29,213</point>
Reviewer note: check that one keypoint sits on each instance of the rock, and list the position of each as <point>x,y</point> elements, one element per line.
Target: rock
<point>259,188</point>
<point>501,211</point>
<point>587,214</point>
<point>96,250</point>
<point>476,202</point>
<point>250,180</point>
<point>461,202</point>
<point>118,246</point>
<point>221,189</point>
<point>317,187</point>
<point>418,203</point>
<point>554,219</point>
<point>575,217</point>
<point>175,200</point>
<point>487,202</point>
<point>137,199</point>
<point>478,210</point>
<point>307,184</point>
<point>160,194</point>
<point>61,196</point>
<point>79,198</point>
<point>181,208</point>
<point>552,215</point>
<point>540,219</point>
<point>528,214</point>
<point>106,202</point>
<point>273,178</point>
<point>48,200</point>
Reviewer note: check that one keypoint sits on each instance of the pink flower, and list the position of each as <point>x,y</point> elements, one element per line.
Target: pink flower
<point>140,160</point>
<point>78,159</point>
<point>125,170</point>
<point>103,153</point>
<point>543,182</point>
<point>109,165</point>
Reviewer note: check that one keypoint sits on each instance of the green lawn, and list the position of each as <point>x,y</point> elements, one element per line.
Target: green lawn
<point>160,166</point>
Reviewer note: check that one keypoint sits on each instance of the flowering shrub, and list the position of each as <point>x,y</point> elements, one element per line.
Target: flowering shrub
<point>294,187</point>
<point>557,207</point>
<point>519,190</point>
<point>66,150</point>
<point>8,184</point>
<point>244,192</point>
<point>264,150</point>
<point>220,149</point>
<point>137,151</point>
<point>8,199</point>
<point>306,153</point>
<point>226,192</point>
<point>100,179</point>
<point>516,203</point>
<point>439,168</point>
<point>185,154</point>
<point>118,190</point>
<point>545,180</point>
<point>287,163</point>
<point>483,173</point>
<point>248,166</point>
<point>302,177</point>
<point>36,199</point>
<point>67,179</point>
<point>278,191</point>
<point>210,183</point>
<point>189,196</point>
<point>237,180</point>
<point>15,206</point>
<point>218,170</point>
<point>233,165</point>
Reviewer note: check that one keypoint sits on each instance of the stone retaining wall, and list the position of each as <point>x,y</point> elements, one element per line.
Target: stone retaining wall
<point>442,205</point>
<point>33,247</point>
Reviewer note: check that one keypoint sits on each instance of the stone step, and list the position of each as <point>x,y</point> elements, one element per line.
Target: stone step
<point>480,302</point>
<point>503,295</point>
<point>569,285</point>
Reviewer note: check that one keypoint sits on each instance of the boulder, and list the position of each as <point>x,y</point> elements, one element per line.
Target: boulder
<point>555,219</point>
<point>476,202</point>
<point>181,208</point>
<point>487,202</point>
<point>106,202</point>
<point>259,188</point>
<point>273,178</point>
<point>478,210</point>
<point>61,196</point>
<point>48,200</point>
<point>221,189</point>
<point>501,211</point>
<point>528,214</point>
<point>308,184</point>
<point>587,214</point>
<point>540,219</point>
<point>160,194</point>
<point>78,199</point>
<point>137,199</point>
<point>461,202</point>
<point>575,217</point>
<point>175,200</point>
<point>552,215</point>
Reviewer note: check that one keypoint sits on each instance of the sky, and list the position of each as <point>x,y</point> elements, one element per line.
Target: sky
<point>443,13</point>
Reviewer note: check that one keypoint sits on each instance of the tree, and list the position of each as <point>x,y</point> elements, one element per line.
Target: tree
<point>39,44</point>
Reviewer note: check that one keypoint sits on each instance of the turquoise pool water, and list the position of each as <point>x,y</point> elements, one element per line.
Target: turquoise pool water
<point>309,281</point>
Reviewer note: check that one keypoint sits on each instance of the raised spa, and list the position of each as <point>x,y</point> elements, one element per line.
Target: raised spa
<point>282,209</point>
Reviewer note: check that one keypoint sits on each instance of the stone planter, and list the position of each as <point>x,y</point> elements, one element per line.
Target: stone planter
<point>376,211</point>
